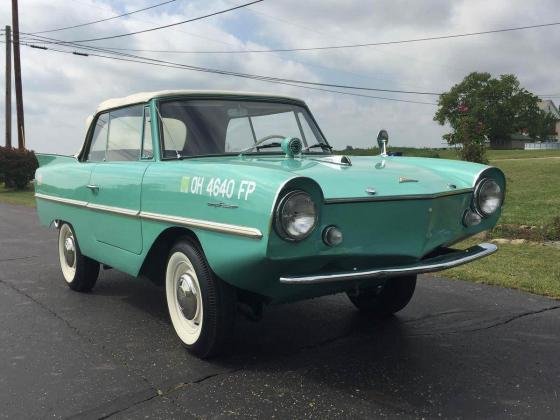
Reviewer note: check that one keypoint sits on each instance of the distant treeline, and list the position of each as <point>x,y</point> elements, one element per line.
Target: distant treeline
<point>406,151</point>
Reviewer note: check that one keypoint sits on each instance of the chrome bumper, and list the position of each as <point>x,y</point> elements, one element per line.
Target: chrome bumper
<point>430,265</point>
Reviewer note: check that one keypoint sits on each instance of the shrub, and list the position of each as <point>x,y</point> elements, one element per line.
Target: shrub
<point>552,229</point>
<point>17,167</point>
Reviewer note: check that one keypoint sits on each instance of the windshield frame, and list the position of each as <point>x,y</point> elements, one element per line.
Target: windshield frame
<point>314,126</point>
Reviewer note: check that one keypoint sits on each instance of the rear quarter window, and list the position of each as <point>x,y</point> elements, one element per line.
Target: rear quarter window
<point>125,134</point>
<point>99,139</point>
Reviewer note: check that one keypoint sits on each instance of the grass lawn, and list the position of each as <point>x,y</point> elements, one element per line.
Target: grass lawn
<point>533,190</point>
<point>24,197</point>
<point>533,268</point>
<point>452,153</point>
<point>520,154</point>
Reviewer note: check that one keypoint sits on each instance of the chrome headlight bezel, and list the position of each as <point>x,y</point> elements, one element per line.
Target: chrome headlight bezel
<point>281,228</point>
<point>477,205</point>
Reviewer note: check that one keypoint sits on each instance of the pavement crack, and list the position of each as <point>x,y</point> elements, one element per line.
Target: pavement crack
<point>181,385</point>
<point>492,325</point>
<point>518,316</point>
<point>43,306</point>
<point>117,405</point>
<point>18,258</point>
<point>77,331</point>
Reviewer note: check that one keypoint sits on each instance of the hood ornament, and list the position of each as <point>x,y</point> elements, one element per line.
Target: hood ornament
<point>371,191</point>
<point>403,179</point>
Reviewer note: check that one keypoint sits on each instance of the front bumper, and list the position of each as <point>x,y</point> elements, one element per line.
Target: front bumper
<point>429,265</point>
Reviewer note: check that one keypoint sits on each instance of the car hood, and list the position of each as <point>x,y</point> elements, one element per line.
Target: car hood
<point>380,176</point>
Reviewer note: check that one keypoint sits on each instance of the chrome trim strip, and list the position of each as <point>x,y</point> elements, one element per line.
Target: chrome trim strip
<point>397,197</point>
<point>430,265</point>
<point>77,203</point>
<point>341,160</point>
<point>479,174</point>
<point>222,205</point>
<point>204,224</point>
<point>115,210</point>
<point>183,221</point>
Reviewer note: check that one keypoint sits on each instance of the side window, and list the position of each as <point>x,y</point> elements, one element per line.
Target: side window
<point>125,133</point>
<point>99,139</point>
<point>147,145</point>
<point>239,134</point>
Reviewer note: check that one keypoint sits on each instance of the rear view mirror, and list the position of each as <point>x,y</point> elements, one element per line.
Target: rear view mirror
<point>382,140</point>
<point>237,112</point>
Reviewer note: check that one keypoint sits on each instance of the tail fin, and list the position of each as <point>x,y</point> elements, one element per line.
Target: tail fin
<point>45,159</point>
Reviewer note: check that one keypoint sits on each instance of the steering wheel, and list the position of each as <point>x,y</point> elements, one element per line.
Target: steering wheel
<point>265,138</point>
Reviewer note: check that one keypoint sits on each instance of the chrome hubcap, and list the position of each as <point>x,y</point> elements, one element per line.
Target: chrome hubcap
<point>186,296</point>
<point>69,251</point>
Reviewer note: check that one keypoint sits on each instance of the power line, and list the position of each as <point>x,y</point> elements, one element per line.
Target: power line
<point>248,75</point>
<point>328,47</point>
<point>169,25</point>
<point>256,77</point>
<point>136,18</point>
<point>104,20</point>
<point>269,80</point>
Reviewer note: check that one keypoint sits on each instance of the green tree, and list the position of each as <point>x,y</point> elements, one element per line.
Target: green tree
<point>484,108</point>
<point>544,126</point>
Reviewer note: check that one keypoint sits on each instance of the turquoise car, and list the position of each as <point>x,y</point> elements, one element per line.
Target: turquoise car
<point>235,200</point>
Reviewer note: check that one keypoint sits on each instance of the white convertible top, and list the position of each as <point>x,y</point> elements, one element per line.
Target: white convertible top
<point>143,97</point>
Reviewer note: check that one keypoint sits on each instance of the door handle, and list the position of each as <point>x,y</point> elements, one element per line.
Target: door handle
<point>93,188</point>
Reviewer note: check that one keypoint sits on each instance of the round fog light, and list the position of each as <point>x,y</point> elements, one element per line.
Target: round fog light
<point>332,236</point>
<point>471,218</point>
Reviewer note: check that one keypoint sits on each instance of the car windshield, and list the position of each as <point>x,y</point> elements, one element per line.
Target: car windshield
<point>215,127</point>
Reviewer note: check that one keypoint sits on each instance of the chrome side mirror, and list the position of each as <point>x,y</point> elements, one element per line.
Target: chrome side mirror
<point>382,140</point>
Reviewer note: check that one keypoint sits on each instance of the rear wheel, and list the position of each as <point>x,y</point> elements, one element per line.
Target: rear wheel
<point>201,306</point>
<point>79,271</point>
<point>386,299</point>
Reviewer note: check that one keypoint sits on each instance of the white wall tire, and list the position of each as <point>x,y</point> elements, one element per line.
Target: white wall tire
<point>67,252</point>
<point>179,291</point>
<point>201,306</point>
<point>79,271</point>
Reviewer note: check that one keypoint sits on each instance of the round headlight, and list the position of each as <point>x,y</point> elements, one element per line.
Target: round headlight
<point>296,216</point>
<point>488,197</point>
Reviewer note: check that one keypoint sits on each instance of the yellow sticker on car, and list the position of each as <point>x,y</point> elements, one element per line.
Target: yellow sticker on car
<point>185,182</point>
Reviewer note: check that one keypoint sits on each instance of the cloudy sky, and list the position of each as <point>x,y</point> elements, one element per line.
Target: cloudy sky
<point>61,90</point>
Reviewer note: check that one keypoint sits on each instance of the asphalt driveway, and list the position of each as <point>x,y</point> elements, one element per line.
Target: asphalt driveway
<point>458,350</point>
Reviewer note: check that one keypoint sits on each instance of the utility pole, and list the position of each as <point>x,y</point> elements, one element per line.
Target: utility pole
<point>17,74</point>
<point>8,86</point>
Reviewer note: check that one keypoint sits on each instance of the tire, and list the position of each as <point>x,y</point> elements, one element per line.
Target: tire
<point>79,271</point>
<point>201,306</point>
<point>387,299</point>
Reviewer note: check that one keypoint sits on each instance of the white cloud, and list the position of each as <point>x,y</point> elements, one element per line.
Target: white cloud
<point>60,90</point>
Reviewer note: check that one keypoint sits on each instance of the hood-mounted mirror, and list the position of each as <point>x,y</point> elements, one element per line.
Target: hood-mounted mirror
<point>292,146</point>
<point>382,140</point>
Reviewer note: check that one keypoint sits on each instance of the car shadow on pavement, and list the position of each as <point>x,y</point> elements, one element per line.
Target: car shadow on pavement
<point>447,358</point>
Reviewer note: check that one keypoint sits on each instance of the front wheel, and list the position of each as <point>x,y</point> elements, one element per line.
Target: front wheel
<point>79,271</point>
<point>201,306</point>
<point>386,299</point>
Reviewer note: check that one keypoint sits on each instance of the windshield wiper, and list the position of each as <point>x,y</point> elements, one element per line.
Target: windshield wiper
<point>261,146</point>
<point>321,145</point>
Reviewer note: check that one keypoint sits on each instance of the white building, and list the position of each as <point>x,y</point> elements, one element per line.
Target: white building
<point>548,106</point>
